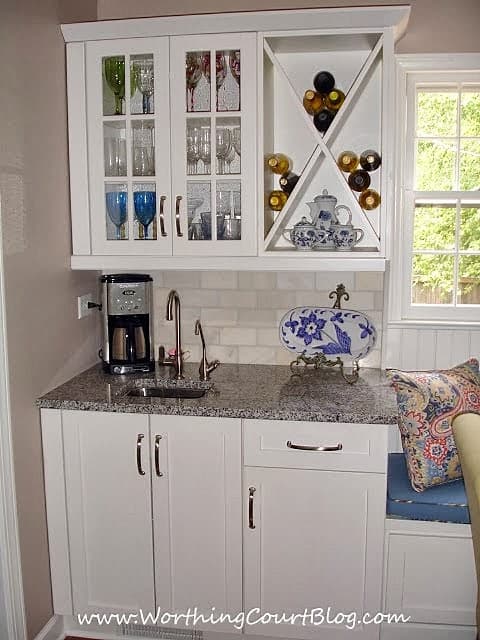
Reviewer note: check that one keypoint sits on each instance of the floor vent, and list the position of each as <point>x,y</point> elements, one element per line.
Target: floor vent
<point>167,633</point>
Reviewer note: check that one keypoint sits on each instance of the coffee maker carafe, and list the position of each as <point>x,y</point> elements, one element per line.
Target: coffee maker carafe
<point>127,323</point>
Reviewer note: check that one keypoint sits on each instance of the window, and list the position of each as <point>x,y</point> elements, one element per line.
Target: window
<point>440,197</point>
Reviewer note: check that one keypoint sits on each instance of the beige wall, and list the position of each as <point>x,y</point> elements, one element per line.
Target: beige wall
<point>46,343</point>
<point>435,25</point>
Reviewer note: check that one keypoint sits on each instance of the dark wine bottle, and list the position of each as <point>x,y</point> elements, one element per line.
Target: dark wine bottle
<point>323,119</point>
<point>370,160</point>
<point>323,82</point>
<point>359,180</point>
<point>288,181</point>
<point>334,99</point>
<point>369,199</point>
<point>312,101</point>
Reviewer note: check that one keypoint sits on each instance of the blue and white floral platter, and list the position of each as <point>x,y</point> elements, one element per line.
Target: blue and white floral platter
<point>334,332</point>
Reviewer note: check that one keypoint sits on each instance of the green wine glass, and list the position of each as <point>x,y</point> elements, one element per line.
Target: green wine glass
<point>115,77</point>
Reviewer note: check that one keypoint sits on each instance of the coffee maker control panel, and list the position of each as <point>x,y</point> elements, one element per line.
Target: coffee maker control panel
<point>128,299</point>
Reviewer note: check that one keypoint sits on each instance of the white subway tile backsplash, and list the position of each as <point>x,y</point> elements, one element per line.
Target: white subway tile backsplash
<point>369,281</point>
<point>237,299</point>
<point>295,280</point>
<point>276,299</point>
<point>200,297</point>
<point>328,280</point>
<point>181,279</point>
<point>268,337</point>
<point>240,311</point>
<point>219,279</point>
<point>238,336</point>
<point>219,317</point>
<point>253,355</point>
<point>261,318</point>
<point>252,280</point>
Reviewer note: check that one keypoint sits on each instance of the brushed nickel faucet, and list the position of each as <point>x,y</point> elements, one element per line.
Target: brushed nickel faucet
<point>174,299</point>
<point>205,368</point>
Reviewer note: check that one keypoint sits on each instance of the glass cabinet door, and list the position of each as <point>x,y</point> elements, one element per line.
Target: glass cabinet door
<point>213,110</point>
<point>129,146</point>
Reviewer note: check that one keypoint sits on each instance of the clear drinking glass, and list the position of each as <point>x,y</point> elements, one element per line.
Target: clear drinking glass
<point>223,146</point>
<point>143,149</point>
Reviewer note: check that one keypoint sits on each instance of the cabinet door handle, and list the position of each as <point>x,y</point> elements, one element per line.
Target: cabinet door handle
<point>304,447</point>
<point>140,437</point>
<point>177,216</point>
<point>161,215</point>
<point>157,456</point>
<point>251,493</point>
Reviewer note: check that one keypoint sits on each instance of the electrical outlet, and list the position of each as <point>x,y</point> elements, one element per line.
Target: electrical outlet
<point>82,305</point>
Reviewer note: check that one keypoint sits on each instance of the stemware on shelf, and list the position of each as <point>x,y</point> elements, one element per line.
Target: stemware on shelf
<point>195,222</point>
<point>145,206</point>
<point>143,149</point>
<point>236,140</point>
<point>116,202</point>
<point>115,77</point>
<point>193,149</point>
<point>220,72</point>
<point>194,68</point>
<point>145,81</point>
<point>205,148</point>
<point>115,156</point>
<point>223,146</point>
<point>230,157</point>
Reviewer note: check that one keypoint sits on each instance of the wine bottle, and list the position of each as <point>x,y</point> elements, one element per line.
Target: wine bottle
<point>369,199</point>
<point>347,161</point>
<point>277,200</point>
<point>359,180</point>
<point>334,99</point>
<point>323,119</point>
<point>278,163</point>
<point>323,82</point>
<point>288,181</point>
<point>370,160</point>
<point>313,102</point>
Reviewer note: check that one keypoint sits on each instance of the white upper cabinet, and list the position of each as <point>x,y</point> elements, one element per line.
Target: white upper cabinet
<point>170,131</point>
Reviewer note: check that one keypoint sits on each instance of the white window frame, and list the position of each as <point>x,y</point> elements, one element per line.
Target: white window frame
<point>413,69</point>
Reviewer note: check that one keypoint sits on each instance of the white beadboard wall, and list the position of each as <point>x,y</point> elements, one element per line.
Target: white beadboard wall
<point>240,311</point>
<point>420,347</point>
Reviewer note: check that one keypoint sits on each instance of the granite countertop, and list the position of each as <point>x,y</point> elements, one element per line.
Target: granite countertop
<point>239,391</point>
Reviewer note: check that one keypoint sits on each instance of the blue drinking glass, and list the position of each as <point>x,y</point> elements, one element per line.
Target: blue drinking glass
<point>145,203</point>
<point>116,202</point>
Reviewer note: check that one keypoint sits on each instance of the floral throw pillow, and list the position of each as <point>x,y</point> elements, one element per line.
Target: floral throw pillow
<point>427,403</point>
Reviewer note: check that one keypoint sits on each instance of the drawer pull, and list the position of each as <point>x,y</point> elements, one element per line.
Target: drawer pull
<point>157,456</point>
<point>251,493</point>
<point>304,447</point>
<point>161,215</point>
<point>140,437</point>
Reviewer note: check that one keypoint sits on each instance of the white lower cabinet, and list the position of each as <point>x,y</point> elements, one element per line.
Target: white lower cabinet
<point>313,538</point>
<point>147,513</point>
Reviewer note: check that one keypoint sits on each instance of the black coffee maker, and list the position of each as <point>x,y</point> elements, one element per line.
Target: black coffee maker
<point>127,323</point>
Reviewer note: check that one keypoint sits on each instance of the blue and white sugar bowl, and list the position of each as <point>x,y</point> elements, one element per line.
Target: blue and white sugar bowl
<point>303,235</point>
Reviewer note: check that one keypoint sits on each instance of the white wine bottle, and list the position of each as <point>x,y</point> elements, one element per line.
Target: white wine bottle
<point>277,200</point>
<point>334,99</point>
<point>313,102</point>
<point>369,199</point>
<point>347,161</point>
<point>278,163</point>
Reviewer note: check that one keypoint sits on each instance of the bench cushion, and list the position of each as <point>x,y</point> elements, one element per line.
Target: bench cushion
<point>445,503</point>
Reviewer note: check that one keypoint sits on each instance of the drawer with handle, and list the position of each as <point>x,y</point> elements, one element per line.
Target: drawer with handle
<point>315,445</point>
